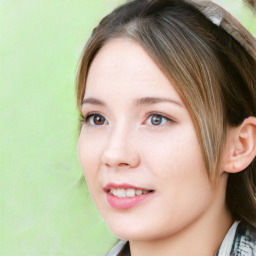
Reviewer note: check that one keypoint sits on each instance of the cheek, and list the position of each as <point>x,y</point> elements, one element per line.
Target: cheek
<point>88,155</point>
<point>174,155</point>
<point>179,173</point>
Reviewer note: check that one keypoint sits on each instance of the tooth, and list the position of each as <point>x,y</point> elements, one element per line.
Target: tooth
<point>121,192</point>
<point>118,192</point>
<point>114,192</point>
<point>130,192</point>
<point>138,192</point>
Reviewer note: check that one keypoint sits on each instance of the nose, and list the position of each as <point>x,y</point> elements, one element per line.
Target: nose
<point>121,150</point>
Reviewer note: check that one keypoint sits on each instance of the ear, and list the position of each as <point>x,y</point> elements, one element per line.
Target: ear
<point>241,146</point>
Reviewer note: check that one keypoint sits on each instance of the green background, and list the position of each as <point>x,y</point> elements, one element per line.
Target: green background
<point>45,208</point>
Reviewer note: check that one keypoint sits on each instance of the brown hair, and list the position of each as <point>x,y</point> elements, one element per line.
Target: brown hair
<point>211,60</point>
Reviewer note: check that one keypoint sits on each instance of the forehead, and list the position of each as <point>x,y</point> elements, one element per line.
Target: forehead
<point>123,66</point>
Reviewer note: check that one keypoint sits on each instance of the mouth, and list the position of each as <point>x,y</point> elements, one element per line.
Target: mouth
<point>130,192</point>
<point>125,196</point>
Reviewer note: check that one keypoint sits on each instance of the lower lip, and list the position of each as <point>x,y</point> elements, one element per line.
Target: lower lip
<point>126,202</point>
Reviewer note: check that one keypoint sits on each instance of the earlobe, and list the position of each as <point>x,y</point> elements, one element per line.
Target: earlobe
<point>241,146</point>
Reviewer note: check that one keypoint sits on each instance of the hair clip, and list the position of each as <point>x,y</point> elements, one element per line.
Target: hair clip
<point>222,18</point>
<point>213,14</point>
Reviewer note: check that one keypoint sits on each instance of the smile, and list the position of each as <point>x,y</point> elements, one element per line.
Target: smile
<point>126,196</point>
<point>123,193</point>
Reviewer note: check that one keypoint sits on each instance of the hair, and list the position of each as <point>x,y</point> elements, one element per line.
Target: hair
<point>210,58</point>
<point>252,5</point>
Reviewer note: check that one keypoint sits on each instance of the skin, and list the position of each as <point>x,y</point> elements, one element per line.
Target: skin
<point>185,215</point>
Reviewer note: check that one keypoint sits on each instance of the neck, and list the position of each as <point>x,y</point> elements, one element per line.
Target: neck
<point>202,237</point>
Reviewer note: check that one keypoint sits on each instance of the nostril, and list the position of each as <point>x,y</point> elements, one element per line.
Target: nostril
<point>123,164</point>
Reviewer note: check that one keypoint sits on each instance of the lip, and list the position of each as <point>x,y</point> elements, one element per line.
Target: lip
<point>127,202</point>
<point>123,186</point>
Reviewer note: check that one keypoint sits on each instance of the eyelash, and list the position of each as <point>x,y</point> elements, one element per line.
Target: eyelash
<point>86,119</point>
<point>155,114</point>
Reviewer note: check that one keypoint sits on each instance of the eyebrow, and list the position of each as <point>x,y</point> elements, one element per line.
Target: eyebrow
<point>93,101</point>
<point>155,100</point>
<point>137,102</point>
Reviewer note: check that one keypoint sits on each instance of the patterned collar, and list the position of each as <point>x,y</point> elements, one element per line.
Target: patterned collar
<point>239,241</point>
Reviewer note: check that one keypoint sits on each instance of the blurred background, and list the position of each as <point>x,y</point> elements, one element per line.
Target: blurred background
<point>45,208</point>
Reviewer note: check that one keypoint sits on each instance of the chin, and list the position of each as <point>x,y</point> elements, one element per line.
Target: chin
<point>137,230</point>
<point>129,229</point>
<point>132,234</point>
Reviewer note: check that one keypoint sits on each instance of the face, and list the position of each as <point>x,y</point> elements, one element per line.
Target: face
<point>138,147</point>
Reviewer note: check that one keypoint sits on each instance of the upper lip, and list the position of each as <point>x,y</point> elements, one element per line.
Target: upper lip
<point>123,186</point>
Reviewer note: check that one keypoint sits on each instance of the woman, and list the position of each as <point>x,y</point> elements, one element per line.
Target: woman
<point>167,92</point>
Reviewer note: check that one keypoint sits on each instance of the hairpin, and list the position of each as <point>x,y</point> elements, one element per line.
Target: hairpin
<point>222,18</point>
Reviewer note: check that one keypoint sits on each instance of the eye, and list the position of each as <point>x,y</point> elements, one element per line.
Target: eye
<point>95,120</point>
<point>157,120</point>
